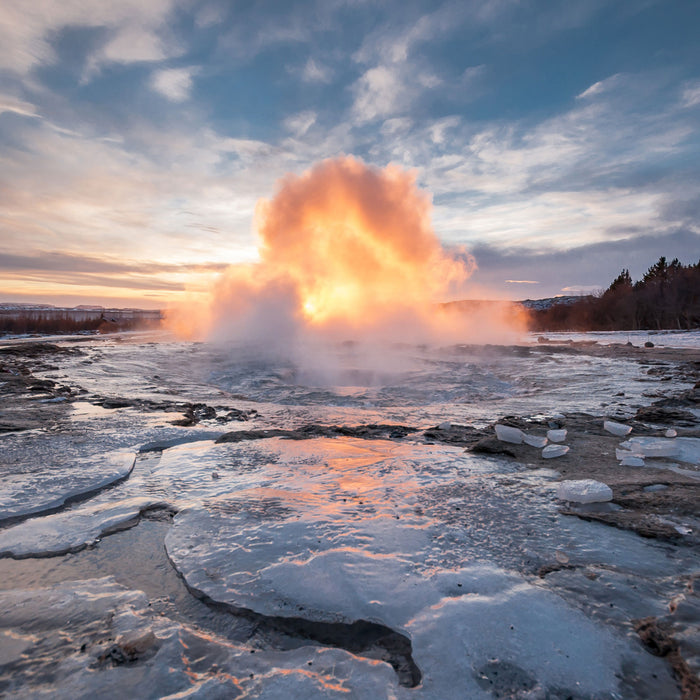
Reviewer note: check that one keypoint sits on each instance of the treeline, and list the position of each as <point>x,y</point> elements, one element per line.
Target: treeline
<point>667,297</point>
<point>52,323</point>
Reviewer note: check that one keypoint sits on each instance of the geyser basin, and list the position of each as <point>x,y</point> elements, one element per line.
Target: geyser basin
<point>466,557</point>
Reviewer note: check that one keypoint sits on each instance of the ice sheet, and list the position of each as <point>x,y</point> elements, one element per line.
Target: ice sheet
<point>129,652</point>
<point>73,529</point>
<point>346,529</point>
<point>685,449</point>
<point>327,545</point>
<point>22,494</point>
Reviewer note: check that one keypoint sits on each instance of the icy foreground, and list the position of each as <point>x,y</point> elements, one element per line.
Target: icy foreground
<point>376,563</point>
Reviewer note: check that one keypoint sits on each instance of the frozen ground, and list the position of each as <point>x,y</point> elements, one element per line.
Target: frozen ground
<point>143,555</point>
<point>666,339</point>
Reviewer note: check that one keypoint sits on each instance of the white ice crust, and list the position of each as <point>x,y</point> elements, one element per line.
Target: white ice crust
<point>327,545</point>
<point>535,440</point>
<point>177,661</point>
<point>584,491</point>
<point>552,451</point>
<point>619,429</point>
<point>558,435</point>
<point>684,449</point>
<point>506,433</point>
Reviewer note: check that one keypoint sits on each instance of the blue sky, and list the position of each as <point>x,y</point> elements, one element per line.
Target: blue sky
<point>559,140</point>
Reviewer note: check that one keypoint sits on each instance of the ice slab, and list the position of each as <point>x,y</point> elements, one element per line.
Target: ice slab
<point>535,440</point>
<point>619,429</point>
<point>558,435</point>
<point>72,530</point>
<point>518,643</point>
<point>621,453</point>
<point>685,449</point>
<point>552,451</point>
<point>305,547</point>
<point>131,652</point>
<point>632,461</point>
<point>584,491</point>
<point>458,620</point>
<point>506,433</point>
<point>22,495</point>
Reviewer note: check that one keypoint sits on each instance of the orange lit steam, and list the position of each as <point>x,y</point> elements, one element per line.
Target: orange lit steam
<point>344,249</point>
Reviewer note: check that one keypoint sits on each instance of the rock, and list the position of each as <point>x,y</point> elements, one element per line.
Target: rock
<point>619,429</point>
<point>554,451</point>
<point>137,645</point>
<point>505,433</point>
<point>557,435</point>
<point>665,415</point>
<point>648,344</point>
<point>670,433</point>
<point>489,446</point>
<point>584,491</point>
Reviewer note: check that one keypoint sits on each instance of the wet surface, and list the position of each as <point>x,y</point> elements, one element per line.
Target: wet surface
<point>276,505</point>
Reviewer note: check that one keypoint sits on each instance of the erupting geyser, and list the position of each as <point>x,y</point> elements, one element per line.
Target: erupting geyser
<point>346,251</point>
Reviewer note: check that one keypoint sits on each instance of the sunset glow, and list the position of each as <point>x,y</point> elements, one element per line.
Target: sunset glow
<point>138,138</point>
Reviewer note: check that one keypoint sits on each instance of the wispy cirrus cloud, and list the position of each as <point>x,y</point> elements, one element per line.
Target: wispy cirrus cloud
<point>14,105</point>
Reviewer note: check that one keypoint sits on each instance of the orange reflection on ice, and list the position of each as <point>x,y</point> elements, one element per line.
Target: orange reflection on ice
<point>334,479</point>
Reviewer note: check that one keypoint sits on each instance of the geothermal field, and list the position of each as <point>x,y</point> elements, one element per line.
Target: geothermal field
<point>185,519</point>
<point>321,482</point>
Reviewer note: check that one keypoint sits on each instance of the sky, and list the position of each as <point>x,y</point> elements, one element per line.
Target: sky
<point>559,141</point>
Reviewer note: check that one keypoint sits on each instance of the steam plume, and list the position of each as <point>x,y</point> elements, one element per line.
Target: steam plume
<point>347,251</point>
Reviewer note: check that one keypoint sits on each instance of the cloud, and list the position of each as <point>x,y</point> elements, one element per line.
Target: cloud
<point>584,267</point>
<point>601,87</point>
<point>396,78</point>
<point>187,194</point>
<point>209,15</point>
<point>691,95</point>
<point>59,261</point>
<point>28,30</point>
<point>582,289</point>
<point>314,72</point>
<point>14,105</point>
<point>132,45</point>
<point>173,83</point>
<point>299,124</point>
<point>380,92</point>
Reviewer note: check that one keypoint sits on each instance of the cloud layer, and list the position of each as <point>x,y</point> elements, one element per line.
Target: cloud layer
<point>137,137</point>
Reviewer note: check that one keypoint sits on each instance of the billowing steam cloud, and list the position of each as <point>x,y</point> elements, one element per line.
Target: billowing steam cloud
<point>347,251</point>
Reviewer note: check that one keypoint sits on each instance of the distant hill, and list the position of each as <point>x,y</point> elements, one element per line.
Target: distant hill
<point>544,304</point>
